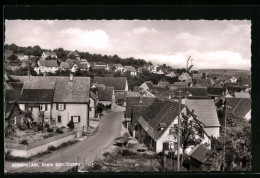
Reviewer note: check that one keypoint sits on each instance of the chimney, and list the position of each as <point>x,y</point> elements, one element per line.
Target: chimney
<point>71,77</point>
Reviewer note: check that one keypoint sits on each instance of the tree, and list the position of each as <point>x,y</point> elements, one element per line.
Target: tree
<point>71,125</point>
<point>37,51</point>
<point>12,58</point>
<point>117,74</point>
<point>203,75</point>
<point>191,131</point>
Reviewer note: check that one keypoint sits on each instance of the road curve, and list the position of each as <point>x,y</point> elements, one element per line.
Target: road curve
<point>109,129</point>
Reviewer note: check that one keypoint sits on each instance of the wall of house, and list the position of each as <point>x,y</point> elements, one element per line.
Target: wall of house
<point>212,131</point>
<point>92,109</point>
<point>71,110</point>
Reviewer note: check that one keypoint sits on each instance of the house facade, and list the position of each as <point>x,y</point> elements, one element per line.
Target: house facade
<point>46,66</point>
<point>49,54</point>
<point>185,77</point>
<point>130,69</point>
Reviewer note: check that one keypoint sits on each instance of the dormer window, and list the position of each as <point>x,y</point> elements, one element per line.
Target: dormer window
<point>60,106</point>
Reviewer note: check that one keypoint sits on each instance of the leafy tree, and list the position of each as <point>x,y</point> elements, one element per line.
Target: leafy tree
<point>12,58</point>
<point>191,131</point>
<point>71,125</point>
<point>37,51</point>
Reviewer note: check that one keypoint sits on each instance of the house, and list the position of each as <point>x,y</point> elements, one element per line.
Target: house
<point>148,85</point>
<point>120,84</point>
<point>206,113</point>
<point>185,77</point>
<point>25,64</point>
<point>200,159</point>
<point>48,54</point>
<point>74,65</point>
<point>160,72</point>
<point>118,67</point>
<point>242,95</point>
<point>71,102</point>
<point>233,80</point>
<point>155,124</point>
<point>12,94</point>
<point>74,55</point>
<point>22,57</point>
<point>130,69</point>
<point>13,117</point>
<point>171,74</point>
<point>165,84</point>
<point>64,66</point>
<point>215,92</point>
<point>93,101</point>
<point>197,76</point>
<point>239,107</point>
<point>46,66</point>
<point>83,61</point>
<point>178,85</point>
<point>36,96</point>
<point>99,65</point>
<point>205,82</point>
<point>106,96</point>
<point>82,66</point>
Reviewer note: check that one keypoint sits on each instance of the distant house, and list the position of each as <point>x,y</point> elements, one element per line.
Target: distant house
<point>106,96</point>
<point>64,66</point>
<point>171,74</point>
<point>83,61</point>
<point>118,67</point>
<point>120,84</point>
<point>160,72</point>
<point>199,159</point>
<point>239,107</point>
<point>163,84</point>
<point>71,102</point>
<point>83,66</point>
<point>130,69</point>
<point>206,113</point>
<point>74,55</point>
<point>99,65</point>
<point>205,82</point>
<point>46,66</point>
<point>197,76</point>
<point>185,77</point>
<point>215,92</point>
<point>49,54</point>
<point>148,85</point>
<point>233,80</point>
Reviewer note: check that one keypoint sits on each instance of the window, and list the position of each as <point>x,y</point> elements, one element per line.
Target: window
<point>75,118</point>
<point>60,106</point>
<point>43,107</point>
<point>59,119</point>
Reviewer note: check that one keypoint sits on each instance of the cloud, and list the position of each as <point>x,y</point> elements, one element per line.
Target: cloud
<point>143,30</point>
<point>83,39</point>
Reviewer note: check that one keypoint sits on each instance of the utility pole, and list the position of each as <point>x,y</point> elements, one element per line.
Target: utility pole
<point>225,133</point>
<point>178,137</point>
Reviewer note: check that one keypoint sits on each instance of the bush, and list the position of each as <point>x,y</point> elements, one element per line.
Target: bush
<point>50,129</point>
<point>39,127</point>
<point>59,131</point>
<point>24,142</point>
<point>126,152</point>
<point>71,125</point>
<point>51,148</point>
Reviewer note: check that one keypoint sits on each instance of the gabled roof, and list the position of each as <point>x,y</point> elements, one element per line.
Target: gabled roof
<point>164,112</point>
<point>83,66</point>
<point>215,91</point>
<point>118,65</point>
<point>119,83</point>
<point>205,111</point>
<point>194,91</point>
<point>200,153</point>
<point>205,82</point>
<point>178,84</point>
<point>36,96</point>
<point>186,75</point>
<point>13,95</point>
<point>130,68</point>
<point>238,106</point>
<point>65,65</point>
<point>49,53</point>
<point>105,94</point>
<point>39,83</point>
<point>197,76</point>
<point>242,95</point>
<point>9,107</point>
<point>72,62</point>
<point>130,101</point>
<point>84,60</point>
<point>149,84</point>
<point>75,91</point>
<point>48,63</point>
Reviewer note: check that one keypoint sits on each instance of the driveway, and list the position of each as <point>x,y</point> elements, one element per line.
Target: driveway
<point>84,151</point>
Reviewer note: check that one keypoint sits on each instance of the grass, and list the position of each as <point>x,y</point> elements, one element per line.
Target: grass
<point>9,157</point>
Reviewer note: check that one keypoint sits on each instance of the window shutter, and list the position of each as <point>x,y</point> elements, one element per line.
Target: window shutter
<point>46,107</point>
<point>72,118</point>
<point>79,119</point>
<point>57,106</point>
<point>64,106</point>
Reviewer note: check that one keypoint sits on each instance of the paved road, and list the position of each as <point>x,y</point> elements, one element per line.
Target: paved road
<point>109,129</point>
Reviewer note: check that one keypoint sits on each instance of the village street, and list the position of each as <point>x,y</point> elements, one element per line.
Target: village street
<point>109,129</point>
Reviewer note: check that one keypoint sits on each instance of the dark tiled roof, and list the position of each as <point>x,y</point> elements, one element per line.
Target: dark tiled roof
<point>65,65</point>
<point>130,101</point>
<point>200,153</point>
<point>130,68</point>
<point>48,63</point>
<point>205,111</point>
<point>36,96</point>
<point>118,83</point>
<point>39,83</point>
<point>48,53</point>
<point>166,113</point>
<point>194,91</point>
<point>215,91</point>
<point>196,76</point>
<point>93,96</point>
<point>205,82</point>
<point>105,94</point>
<point>239,106</point>
<point>120,96</point>
<point>76,91</point>
<point>149,84</point>
<point>72,62</point>
<point>179,84</point>
<point>14,95</point>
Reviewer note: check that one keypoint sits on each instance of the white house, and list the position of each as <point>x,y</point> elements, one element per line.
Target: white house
<point>160,72</point>
<point>49,54</point>
<point>233,80</point>
<point>46,66</point>
<point>171,74</point>
<point>185,77</point>
<point>130,69</point>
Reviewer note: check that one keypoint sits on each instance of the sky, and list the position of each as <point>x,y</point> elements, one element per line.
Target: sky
<point>216,44</point>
